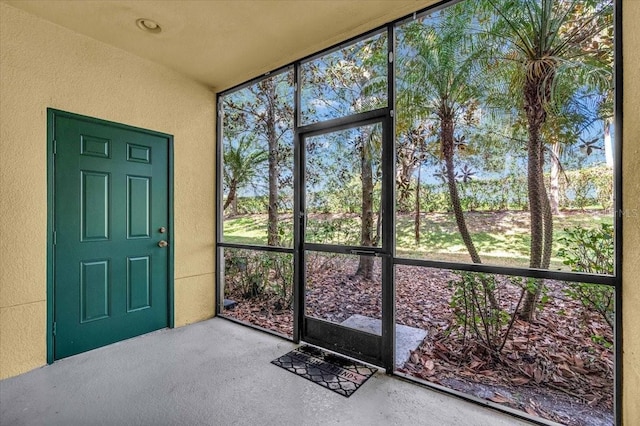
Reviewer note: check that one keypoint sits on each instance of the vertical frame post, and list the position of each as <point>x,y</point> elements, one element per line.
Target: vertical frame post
<point>388,209</point>
<point>219,214</point>
<point>618,206</point>
<point>298,280</point>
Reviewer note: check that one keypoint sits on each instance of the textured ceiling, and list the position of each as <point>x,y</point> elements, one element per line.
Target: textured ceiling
<point>222,43</point>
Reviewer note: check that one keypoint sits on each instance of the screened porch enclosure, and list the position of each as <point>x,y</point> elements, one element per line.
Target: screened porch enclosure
<point>435,198</point>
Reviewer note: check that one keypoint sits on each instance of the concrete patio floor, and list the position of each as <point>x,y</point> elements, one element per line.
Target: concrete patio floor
<point>215,372</point>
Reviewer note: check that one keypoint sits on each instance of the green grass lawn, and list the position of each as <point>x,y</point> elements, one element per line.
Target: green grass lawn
<point>501,238</point>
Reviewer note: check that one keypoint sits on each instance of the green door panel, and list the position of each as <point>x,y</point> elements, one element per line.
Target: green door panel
<point>111,199</point>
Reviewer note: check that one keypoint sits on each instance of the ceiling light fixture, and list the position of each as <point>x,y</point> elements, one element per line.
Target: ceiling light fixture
<point>148,25</point>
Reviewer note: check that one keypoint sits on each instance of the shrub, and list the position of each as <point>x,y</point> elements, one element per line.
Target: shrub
<point>488,324</point>
<point>334,230</point>
<point>254,273</point>
<point>588,249</point>
<point>591,250</point>
<point>244,274</point>
<point>587,187</point>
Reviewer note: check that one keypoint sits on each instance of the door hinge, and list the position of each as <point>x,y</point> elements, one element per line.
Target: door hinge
<point>390,57</point>
<point>55,238</point>
<point>55,329</point>
<point>55,147</point>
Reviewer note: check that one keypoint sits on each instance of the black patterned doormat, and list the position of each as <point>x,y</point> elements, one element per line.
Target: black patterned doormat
<point>334,372</point>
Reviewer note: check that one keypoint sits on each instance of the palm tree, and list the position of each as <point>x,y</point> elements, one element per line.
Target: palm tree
<point>241,161</point>
<point>547,41</point>
<point>442,79</point>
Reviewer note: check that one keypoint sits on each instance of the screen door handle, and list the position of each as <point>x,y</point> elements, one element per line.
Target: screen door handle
<point>303,220</point>
<point>364,252</point>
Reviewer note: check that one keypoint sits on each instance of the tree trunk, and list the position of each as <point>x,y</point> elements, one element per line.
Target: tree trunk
<point>447,141</point>
<point>274,175</point>
<point>365,267</point>
<point>554,185</point>
<point>409,157</point>
<point>540,209</point>
<point>608,147</point>
<point>416,225</point>
<point>404,187</point>
<point>234,206</point>
<point>548,230</point>
<point>231,197</point>
<point>446,138</point>
<point>407,163</point>
<point>534,184</point>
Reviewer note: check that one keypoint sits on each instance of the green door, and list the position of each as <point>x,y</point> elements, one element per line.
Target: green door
<point>111,219</point>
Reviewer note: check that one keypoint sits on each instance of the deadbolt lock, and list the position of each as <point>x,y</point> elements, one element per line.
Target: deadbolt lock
<point>162,230</point>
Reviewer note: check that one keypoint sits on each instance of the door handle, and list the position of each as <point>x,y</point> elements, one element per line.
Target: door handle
<point>162,244</point>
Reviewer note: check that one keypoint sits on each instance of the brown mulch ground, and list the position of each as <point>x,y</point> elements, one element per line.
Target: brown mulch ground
<point>549,368</point>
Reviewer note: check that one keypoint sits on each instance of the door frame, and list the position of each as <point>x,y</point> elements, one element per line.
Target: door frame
<point>52,115</point>
<point>337,333</point>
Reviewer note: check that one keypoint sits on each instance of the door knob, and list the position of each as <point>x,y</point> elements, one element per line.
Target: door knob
<point>162,243</point>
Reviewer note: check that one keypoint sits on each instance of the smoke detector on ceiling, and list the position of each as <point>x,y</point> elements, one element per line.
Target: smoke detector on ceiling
<point>148,25</point>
